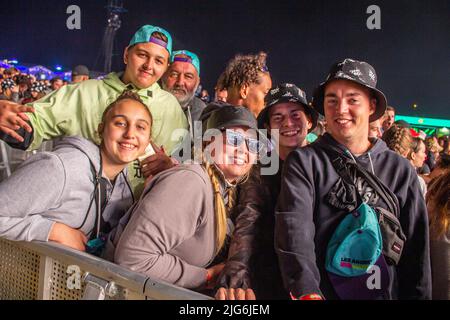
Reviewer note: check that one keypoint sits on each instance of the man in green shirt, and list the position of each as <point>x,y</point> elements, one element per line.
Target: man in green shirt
<point>76,109</point>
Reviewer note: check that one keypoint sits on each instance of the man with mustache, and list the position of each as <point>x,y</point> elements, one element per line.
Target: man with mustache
<point>314,199</point>
<point>77,109</point>
<point>182,80</point>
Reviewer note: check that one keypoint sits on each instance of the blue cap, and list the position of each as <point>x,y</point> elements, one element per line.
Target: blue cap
<point>192,58</point>
<point>144,35</point>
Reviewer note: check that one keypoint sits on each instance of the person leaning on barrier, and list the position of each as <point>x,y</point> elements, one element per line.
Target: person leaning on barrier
<point>54,196</point>
<point>314,198</point>
<point>252,263</point>
<point>178,231</point>
<point>76,109</point>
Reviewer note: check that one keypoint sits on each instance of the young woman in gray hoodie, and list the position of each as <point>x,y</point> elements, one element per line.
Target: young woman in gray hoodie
<point>178,230</point>
<point>80,190</point>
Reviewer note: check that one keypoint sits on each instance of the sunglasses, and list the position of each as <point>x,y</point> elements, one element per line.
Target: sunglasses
<point>235,139</point>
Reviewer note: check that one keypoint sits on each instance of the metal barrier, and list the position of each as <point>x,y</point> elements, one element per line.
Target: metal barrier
<point>49,271</point>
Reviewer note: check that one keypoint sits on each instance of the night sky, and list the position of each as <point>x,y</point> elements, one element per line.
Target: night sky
<point>411,52</point>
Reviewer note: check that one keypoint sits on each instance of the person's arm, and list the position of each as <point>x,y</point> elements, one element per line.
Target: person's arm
<point>35,187</point>
<point>65,111</point>
<point>414,269</point>
<point>251,202</point>
<point>70,110</point>
<point>295,229</point>
<point>15,128</point>
<point>166,216</point>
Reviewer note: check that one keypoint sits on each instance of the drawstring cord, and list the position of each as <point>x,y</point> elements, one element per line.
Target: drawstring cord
<point>370,159</point>
<point>371,164</point>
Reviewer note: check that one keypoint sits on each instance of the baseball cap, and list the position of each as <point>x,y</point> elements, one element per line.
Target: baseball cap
<point>144,35</point>
<point>228,116</point>
<point>191,57</point>
<point>80,70</point>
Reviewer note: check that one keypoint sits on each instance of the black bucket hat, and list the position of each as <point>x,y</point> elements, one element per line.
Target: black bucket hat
<point>357,71</point>
<point>287,92</point>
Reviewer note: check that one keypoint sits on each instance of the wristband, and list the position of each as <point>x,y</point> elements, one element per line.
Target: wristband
<point>312,296</point>
<point>208,277</point>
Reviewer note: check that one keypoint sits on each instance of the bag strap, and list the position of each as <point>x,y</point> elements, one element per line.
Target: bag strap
<point>341,165</point>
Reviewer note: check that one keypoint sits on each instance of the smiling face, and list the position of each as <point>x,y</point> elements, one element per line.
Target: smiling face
<point>293,125</point>
<point>182,80</point>
<point>146,63</point>
<point>233,161</point>
<point>347,108</point>
<point>125,132</point>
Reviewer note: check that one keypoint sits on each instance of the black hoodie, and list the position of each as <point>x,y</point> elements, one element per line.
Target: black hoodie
<point>305,221</point>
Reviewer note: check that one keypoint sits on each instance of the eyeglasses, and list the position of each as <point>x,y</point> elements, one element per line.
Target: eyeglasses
<point>236,139</point>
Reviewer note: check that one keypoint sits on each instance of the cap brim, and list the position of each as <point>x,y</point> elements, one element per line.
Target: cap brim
<point>356,288</point>
<point>318,99</point>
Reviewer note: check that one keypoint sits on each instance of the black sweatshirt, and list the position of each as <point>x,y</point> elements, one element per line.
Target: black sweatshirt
<point>305,221</point>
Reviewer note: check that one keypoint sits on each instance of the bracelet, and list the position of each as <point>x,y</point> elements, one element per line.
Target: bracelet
<point>311,296</point>
<point>208,277</point>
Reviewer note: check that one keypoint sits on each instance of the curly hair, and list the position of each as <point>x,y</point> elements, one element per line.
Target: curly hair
<point>245,70</point>
<point>398,139</point>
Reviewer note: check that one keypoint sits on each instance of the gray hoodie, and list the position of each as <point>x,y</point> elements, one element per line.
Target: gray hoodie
<point>170,234</point>
<point>58,186</point>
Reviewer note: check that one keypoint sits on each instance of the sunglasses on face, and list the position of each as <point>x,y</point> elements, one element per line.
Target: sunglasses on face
<point>235,139</point>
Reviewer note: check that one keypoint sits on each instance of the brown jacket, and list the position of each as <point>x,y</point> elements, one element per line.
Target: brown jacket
<point>252,262</point>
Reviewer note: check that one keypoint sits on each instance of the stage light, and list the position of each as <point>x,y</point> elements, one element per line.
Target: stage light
<point>58,68</point>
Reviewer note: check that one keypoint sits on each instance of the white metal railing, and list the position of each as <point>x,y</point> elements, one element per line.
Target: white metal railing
<point>49,271</point>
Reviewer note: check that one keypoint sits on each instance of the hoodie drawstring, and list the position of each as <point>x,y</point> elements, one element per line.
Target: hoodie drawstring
<point>370,159</point>
<point>371,163</point>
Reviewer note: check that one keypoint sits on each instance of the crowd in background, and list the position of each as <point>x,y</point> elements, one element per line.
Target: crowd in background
<point>229,213</point>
